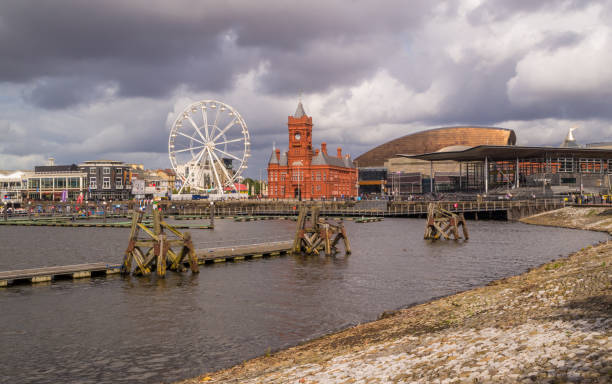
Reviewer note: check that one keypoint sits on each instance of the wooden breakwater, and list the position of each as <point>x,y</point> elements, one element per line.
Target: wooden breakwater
<point>205,256</point>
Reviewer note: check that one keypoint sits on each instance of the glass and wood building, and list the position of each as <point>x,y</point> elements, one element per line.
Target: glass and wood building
<point>487,168</point>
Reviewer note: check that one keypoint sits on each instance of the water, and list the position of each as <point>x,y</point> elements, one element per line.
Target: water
<point>149,330</point>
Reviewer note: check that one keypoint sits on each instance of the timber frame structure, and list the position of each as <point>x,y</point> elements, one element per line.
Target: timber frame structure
<point>442,223</point>
<point>314,234</point>
<point>159,254</point>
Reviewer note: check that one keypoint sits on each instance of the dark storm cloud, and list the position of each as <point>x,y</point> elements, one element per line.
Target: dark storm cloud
<point>58,93</point>
<point>148,48</point>
<point>103,76</point>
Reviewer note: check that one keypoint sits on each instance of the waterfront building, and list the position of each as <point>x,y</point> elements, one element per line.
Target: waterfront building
<point>107,179</point>
<point>531,170</point>
<point>304,173</point>
<point>151,184</point>
<point>55,182</point>
<point>412,175</point>
<point>12,186</point>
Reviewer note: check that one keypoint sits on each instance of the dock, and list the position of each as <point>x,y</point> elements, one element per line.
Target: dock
<point>123,224</point>
<point>79,271</point>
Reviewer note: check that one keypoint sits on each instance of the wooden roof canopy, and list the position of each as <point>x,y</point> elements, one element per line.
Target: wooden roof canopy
<point>512,152</point>
<point>432,140</point>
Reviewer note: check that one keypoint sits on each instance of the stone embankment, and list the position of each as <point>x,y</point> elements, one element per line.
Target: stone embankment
<point>593,219</point>
<point>552,324</point>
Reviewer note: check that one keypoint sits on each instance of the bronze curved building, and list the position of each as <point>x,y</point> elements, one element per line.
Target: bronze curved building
<point>433,140</point>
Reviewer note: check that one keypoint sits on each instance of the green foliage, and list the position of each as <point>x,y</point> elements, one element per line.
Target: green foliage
<point>554,266</point>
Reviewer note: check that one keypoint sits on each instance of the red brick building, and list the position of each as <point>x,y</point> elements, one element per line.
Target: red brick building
<point>302,172</point>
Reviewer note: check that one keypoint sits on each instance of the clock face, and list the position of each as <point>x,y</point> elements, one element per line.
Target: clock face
<point>297,136</point>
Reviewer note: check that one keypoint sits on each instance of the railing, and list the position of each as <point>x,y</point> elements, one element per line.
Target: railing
<point>396,209</point>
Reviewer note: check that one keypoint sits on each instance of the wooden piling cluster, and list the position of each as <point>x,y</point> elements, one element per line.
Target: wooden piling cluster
<point>159,255</point>
<point>442,223</point>
<point>314,233</point>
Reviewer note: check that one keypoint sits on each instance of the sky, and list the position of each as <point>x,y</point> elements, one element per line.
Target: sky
<point>86,80</point>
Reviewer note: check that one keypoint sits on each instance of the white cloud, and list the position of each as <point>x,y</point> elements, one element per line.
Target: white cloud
<point>583,70</point>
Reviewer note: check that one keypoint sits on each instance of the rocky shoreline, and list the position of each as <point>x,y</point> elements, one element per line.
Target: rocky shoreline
<point>552,324</point>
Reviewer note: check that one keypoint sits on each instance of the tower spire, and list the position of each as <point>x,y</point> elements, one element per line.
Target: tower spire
<point>299,112</point>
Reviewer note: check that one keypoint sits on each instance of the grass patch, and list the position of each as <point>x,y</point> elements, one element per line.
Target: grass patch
<point>554,266</point>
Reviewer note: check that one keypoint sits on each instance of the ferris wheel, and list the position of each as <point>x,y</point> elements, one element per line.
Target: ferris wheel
<point>208,146</point>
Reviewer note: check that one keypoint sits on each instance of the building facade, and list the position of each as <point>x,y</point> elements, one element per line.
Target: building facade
<point>13,184</point>
<point>56,182</point>
<point>304,173</point>
<point>107,180</point>
<point>151,184</point>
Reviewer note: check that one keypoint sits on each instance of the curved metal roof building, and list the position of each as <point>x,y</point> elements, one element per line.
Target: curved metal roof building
<point>433,140</point>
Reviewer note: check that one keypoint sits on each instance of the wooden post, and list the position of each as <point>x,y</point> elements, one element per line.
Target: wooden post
<point>162,255</point>
<point>347,243</point>
<point>327,239</point>
<point>297,242</point>
<point>466,235</point>
<point>193,258</point>
<point>211,211</point>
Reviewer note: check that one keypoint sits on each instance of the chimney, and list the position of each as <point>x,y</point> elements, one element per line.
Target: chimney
<point>51,161</point>
<point>339,152</point>
<point>316,151</point>
<point>324,148</point>
<point>278,155</point>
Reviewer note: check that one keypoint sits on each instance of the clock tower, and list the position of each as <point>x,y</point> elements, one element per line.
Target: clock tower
<point>300,138</point>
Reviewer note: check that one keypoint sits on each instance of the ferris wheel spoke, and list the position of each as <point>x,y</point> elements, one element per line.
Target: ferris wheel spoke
<point>199,156</point>
<point>189,149</point>
<point>217,116</point>
<point>195,126</point>
<point>222,166</point>
<point>228,154</point>
<point>228,126</point>
<point>205,118</point>
<point>190,137</point>
<point>230,141</point>
<point>214,169</point>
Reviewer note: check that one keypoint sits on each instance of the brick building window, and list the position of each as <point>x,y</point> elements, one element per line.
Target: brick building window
<point>106,170</point>
<point>106,183</point>
<point>92,183</point>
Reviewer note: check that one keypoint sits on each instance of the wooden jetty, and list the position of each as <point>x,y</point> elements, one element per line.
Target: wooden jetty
<point>204,256</point>
<point>39,275</point>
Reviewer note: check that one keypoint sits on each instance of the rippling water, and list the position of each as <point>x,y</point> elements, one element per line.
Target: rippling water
<point>149,330</point>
